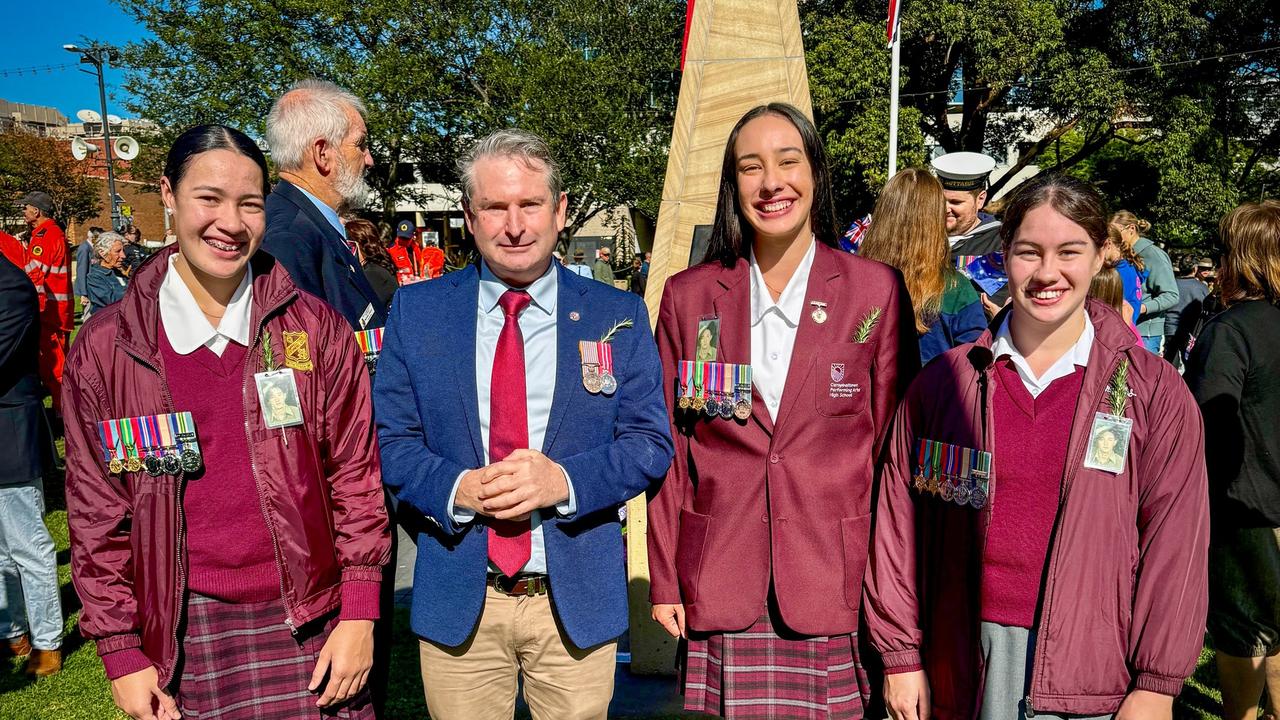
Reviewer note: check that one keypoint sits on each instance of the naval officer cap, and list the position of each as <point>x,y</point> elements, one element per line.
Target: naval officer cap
<point>963,170</point>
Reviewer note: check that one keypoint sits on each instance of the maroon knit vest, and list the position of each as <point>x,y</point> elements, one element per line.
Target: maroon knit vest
<point>230,555</point>
<point>1030,456</point>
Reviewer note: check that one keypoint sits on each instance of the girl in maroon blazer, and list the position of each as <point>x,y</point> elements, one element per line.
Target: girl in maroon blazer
<point>758,537</point>
<point>1042,524</point>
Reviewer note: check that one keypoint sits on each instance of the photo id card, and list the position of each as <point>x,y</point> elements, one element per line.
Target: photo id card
<point>708,342</point>
<point>278,398</point>
<point>1108,443</point>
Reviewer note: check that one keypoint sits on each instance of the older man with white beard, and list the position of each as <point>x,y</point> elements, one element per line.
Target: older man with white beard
<point>319,144</point>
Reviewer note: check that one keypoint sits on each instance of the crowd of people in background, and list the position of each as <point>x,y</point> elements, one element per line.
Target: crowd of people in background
<point>979,466</point>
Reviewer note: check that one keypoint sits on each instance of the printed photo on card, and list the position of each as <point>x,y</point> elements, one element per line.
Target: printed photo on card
<point>708,340</point>
<point>1108,443</point>
<point>278,398</point>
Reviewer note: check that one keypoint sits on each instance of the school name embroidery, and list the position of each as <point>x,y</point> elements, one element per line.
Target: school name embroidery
<point>839,388</point>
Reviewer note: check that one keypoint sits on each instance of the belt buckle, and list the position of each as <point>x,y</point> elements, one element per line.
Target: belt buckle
<point>529,590</point>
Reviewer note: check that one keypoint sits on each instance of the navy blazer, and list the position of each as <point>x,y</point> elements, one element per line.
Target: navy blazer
<point>614,447</point>
<point>317,258</point>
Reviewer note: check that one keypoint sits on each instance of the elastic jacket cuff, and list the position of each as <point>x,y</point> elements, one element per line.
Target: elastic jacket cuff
<point>123,641</point>
<point>1162,684</point>
<point>359,600</point>
<point>902,661</point>
<point>362,573</point>
<point>124,662</point>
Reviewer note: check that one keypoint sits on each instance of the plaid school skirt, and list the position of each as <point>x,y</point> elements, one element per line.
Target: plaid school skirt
<point>240,662</point>
<point>759,674</point>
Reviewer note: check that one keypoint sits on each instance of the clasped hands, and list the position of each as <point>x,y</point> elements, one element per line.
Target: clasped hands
<point>511,489</point>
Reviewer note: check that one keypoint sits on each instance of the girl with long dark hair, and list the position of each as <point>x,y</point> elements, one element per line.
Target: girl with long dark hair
<point>758,537</point>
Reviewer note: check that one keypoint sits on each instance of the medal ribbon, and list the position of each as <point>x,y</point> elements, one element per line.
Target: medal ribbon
<point>700,372</point>
<point>148,439</point>
<point>606,357</point>
<point>686,378</point>
<point>130,444</point>
<point>936,450</point>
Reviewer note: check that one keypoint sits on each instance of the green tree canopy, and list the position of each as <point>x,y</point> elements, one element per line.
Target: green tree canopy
<point>1170,105</point>
<point>594,77</point>
<point>29,162</point>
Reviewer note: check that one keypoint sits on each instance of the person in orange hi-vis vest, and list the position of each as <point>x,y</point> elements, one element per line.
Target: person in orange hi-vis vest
<point>13,250</point>
<point>433,259</point>
<point>47,266</point>
<point>407,255</point>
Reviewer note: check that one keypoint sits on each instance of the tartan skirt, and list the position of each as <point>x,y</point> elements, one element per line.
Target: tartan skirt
<point>241,662</point>
<point>761,673</point>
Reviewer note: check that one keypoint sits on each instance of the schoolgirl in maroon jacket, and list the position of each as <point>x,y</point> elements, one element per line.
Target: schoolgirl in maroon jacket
<point>1042,525</point>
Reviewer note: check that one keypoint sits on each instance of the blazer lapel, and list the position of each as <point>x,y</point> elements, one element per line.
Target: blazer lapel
<point>733,308</point>
<point>466,297</point>
<point>570,290</point>
<point>810,334</point>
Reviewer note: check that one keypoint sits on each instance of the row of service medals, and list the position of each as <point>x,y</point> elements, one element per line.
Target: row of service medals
<point>160,444</point>
<point>370,342</point>
<point>715,389</point>
<point>956,474</point>
<point>597,367</point>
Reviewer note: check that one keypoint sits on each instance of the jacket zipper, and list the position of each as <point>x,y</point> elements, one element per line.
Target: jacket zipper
<point>262,498</point>
<point>181,518</point>
<point>1068,476</point>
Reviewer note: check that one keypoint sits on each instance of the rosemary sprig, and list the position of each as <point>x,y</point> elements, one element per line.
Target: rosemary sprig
<point>620,325</point>
<point>868,323</point>
<point>268,357</point>
<point>1118,391</point>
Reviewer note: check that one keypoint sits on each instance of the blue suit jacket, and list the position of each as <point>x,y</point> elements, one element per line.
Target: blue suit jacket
<point>314,253</point>
<point>613,448</point>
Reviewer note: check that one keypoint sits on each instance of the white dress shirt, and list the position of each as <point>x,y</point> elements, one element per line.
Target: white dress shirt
<point>773,329</point>
<point>1078,355</point>
<point>186,326</point>
<point>538,329</point>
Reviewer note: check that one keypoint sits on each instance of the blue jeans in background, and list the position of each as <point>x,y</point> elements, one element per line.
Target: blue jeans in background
<point>29,598</point>
<point>1154,343</point>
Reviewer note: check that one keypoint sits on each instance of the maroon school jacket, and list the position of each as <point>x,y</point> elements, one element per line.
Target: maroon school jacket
<point>319,483</point>
<point>1124,595</point>
<point>747,503</point>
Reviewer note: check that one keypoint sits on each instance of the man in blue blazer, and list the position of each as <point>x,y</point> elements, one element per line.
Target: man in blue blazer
<point>320,145</point>
<point>507,435</point>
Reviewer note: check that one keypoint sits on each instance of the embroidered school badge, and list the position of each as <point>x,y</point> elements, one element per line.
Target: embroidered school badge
<point>837,372</point>
<point>297,353</point>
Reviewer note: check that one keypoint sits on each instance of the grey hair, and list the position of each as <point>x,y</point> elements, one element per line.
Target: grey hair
<point>513,143</point>
<point>104,241</point>
<point>309,110</point>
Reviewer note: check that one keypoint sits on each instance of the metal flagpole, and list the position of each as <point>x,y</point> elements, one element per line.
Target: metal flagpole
<point>895,38</point>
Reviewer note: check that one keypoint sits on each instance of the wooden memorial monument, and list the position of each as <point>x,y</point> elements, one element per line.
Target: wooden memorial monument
<point>738,54</point>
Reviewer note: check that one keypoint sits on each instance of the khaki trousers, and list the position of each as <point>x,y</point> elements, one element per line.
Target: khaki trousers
<point>517,636</point>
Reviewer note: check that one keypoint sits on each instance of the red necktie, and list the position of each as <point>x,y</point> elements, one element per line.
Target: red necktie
<point>508,427</point>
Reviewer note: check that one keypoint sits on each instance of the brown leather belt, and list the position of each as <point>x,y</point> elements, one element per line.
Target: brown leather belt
<point>521,585</point>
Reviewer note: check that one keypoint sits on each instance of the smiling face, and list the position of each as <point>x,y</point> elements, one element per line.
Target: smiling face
<point>276,398</point>
<point>217,212</point>
<point>962,210</point>
<point>1050,263</point>
<point>514,217</point>
<point>775,179</point>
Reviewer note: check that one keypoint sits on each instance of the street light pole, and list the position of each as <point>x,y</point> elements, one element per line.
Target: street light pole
<point>97,55</point>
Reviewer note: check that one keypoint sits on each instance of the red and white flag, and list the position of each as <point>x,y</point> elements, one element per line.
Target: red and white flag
<point>895,18</point>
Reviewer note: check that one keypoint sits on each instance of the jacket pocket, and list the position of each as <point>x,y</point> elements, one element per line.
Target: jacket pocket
<point>854,536</point>
<point>841,379</point>
<point>694,529</point>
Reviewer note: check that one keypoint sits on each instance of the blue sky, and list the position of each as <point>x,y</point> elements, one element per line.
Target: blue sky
<point>37,32</point>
